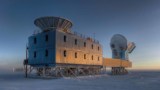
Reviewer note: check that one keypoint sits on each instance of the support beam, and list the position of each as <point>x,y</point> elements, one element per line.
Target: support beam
<point>118,71</point>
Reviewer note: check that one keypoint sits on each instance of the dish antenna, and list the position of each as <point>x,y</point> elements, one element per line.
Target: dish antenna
<point>120,47</point>
<point>50,23</point>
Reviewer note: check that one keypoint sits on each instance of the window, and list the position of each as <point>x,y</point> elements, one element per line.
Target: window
<point>35,40</point>
<point>84,44</point>
<point>46,38</point>
<point>98,58</point>
<point>84,56</point>
<point>35,54</point>
<point>92,57</point>
<point>92,46</point>
<point>75,42</point>
<point>46,53</point>
<point>98,48</point>
<point>64,38</point>
<point>113,46</point>
<point>64,53</point>
<point>76,55</point>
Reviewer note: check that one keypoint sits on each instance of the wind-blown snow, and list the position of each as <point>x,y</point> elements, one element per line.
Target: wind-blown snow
<point>135,80</point>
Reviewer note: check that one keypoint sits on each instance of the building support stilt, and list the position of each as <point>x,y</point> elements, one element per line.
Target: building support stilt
<point>118,71</point>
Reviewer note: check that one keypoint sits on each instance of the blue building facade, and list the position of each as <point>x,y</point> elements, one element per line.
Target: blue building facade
<point>42,49</point>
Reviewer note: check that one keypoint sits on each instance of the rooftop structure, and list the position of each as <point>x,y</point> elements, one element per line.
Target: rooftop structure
<point>50,23</point>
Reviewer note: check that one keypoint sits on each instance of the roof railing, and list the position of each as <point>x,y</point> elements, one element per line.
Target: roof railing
<point>37,31</point>
<point>85,37</point>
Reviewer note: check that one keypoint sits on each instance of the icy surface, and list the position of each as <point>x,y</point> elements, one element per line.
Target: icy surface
<point>135,80</point>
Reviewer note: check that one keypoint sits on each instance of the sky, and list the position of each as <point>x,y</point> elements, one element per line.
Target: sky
<point>137,20</point>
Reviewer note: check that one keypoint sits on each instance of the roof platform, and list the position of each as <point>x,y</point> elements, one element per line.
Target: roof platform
<point>109,62</point>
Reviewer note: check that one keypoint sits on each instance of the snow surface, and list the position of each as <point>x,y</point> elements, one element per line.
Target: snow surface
<point>135,80</point>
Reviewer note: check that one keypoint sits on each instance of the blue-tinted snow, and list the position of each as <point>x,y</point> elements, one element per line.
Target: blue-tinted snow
<point>135,80</point>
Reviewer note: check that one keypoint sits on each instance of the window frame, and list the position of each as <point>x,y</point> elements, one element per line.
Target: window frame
<point>75,41</point>
<point>75,55</point>
<point>65,53</point>
<point>98,48</point>
<point>46,53</point>
<point>35,40</point>
<point>92,46</point>
<point>64,38</point>
<point>84,56</point>
<point>84,44</point>
<point>46,37</point>
<point>35,54</point>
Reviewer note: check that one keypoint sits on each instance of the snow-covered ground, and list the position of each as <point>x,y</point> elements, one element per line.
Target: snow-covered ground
<point>135,80</point>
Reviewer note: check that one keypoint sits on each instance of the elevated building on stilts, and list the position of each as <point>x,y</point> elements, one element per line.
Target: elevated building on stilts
<point>57,51</point>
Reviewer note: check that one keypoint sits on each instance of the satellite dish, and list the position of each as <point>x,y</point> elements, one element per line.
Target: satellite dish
<point>118,42</point>
<point>50,22</point>
<point>119,46</point>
